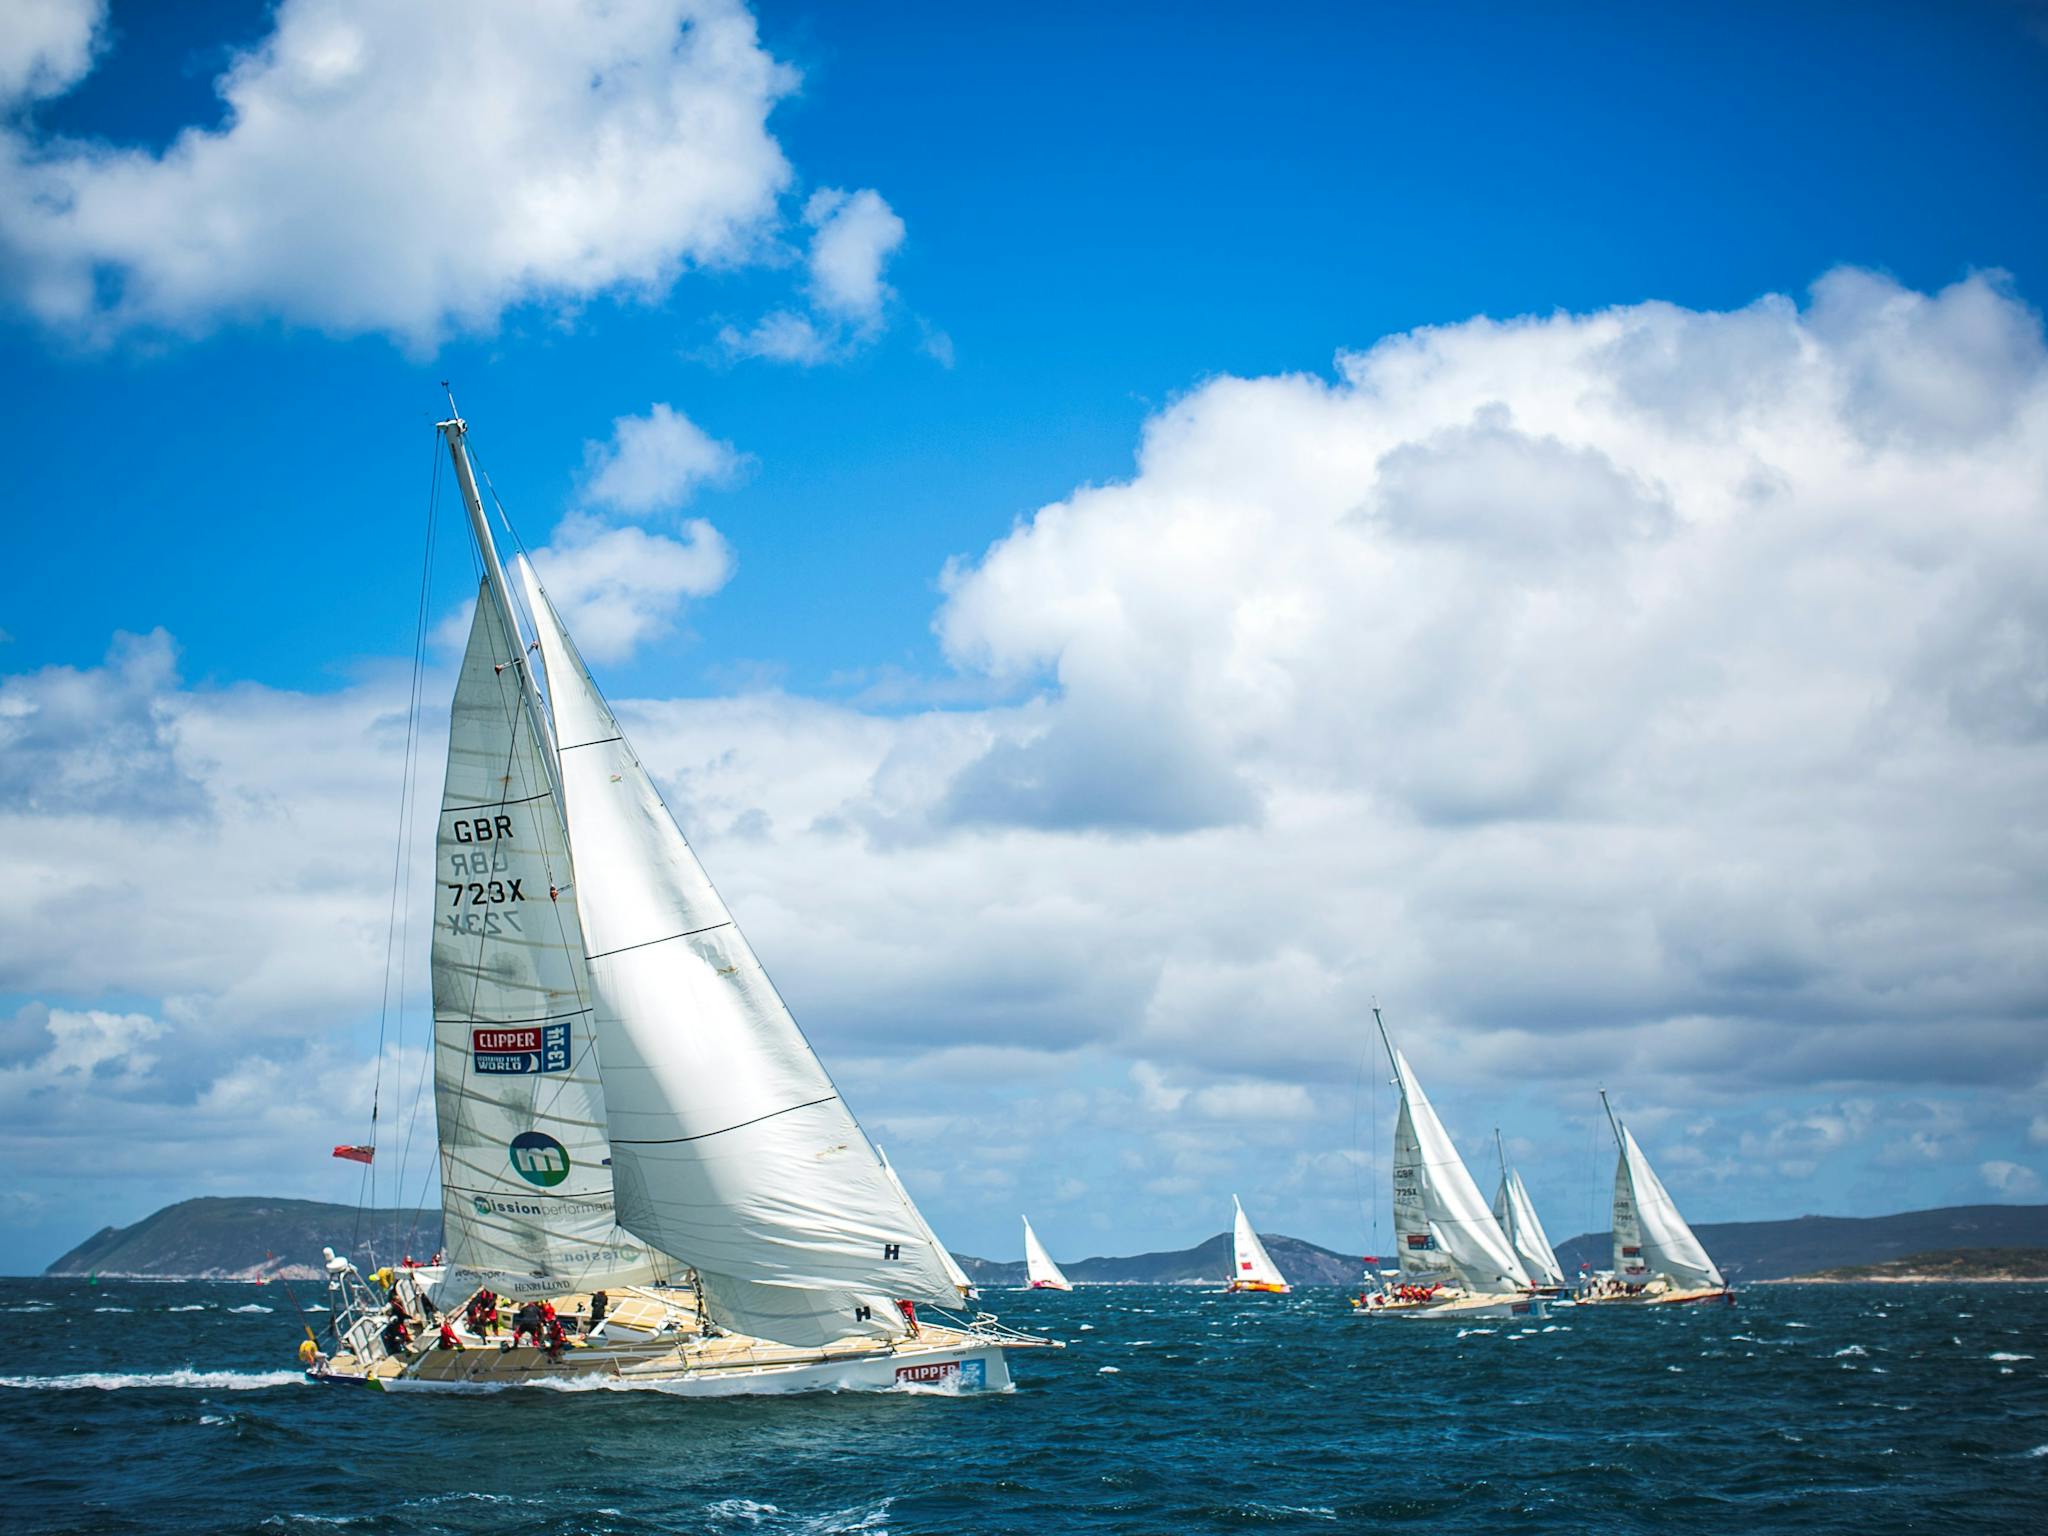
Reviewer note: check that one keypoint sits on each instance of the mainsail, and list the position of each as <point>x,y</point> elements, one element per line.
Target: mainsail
<point>731,1147</point>
<point>1516,1215</point>
<point>1440,1219</point>
<point>526,1185</point>
<point>1038,1265</point>
<point>1251,1264</point>
<point>1650,1237</point>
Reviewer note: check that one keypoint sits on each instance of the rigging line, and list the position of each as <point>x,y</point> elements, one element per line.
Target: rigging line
<point>419,642</point>
<point>409,828</point>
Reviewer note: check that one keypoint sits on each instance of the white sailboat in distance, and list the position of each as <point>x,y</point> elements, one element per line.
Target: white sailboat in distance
<point>625,1108</point>
<point>1040,1271</point>
<point>1658,1259</point>
<point>1252,1268</point>
<point>1516,1213</point>
<point>1456,1262</point>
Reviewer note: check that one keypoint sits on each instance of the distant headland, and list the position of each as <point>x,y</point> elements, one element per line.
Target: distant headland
<point>253,1238</point>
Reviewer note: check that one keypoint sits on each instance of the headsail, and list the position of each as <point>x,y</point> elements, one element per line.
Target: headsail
<point>1043,1274</point>
<point>1515,1213</point>
<point>1440,1219</point>
<point>1650,1237</point>
<point>730,1145</point>
<point>526,1186</point>
<point>1251,1264</point>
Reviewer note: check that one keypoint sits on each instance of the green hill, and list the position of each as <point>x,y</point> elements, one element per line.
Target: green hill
<point>1207,1262</point>
<point>1777,1250</point>
<point>1973,1264</point>
<point>233,1239</point>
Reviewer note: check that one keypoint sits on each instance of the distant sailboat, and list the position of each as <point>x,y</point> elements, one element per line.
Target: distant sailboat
<point>1657,1258</point>
<point>623,1100</point>
<point>1456,1262</point>
<point>1043,1274</point>
<point>1516,1214</point>
<point>1253,1268</point>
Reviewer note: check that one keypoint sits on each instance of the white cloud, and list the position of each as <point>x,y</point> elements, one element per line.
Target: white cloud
<point>781,336</point>
<point>853,235</point>
<point>654,463</point>
<point>616,588</point>
<point>47,46</point>
<point>372,177</point>
<point>2010,1179</point>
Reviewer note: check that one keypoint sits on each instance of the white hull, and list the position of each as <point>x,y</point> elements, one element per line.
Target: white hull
<point>1464,1309</point>
<point>945,1371</point>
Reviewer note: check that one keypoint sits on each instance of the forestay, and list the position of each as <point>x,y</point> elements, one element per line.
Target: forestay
<point>1515,1213</point>
<point>730,1146</point>
<point>1253,1265</point>
<point>1043,1274</point>
<point>525,1188</point>
<point>1440,1219</point>
<point>1667,1245</point>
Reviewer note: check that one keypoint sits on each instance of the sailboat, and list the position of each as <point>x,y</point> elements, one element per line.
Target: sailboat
<point>632,1128</point>
<point>1516,1215</point>
<point>1252,1268</point>
<point>1039,1269</point>
<point>1456,1262</point>
<point>1658,1261</point>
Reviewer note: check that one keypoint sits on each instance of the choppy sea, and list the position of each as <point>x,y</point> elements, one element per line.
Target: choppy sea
<point>171,1407</point>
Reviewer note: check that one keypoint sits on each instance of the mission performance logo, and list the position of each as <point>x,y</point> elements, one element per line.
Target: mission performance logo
<point>539,1159</point>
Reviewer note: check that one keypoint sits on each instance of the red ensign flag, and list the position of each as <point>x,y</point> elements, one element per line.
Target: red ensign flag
<point>356,1154</point>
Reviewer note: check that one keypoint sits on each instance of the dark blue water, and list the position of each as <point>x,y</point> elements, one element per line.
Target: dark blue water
<point>149,1408</point>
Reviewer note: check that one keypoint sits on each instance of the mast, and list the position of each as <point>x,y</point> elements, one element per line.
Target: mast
<point>456,431</point>
<point>1612,1124</point>
<point>1507,1195</point>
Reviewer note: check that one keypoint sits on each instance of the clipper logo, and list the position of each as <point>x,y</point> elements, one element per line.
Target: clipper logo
<point>967,1373</point>
<point>539,1159</point>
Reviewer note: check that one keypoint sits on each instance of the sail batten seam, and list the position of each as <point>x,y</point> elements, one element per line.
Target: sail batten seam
<point>670,1141</point>
<point>647,943</point>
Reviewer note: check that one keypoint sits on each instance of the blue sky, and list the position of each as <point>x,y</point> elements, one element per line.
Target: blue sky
<point>1105,221</point>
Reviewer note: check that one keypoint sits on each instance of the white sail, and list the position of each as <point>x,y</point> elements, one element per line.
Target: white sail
<point>1251,1264</point>
<point>1515,1213</point>
<point>1665,1244</point>
<point>1038,1265</point>
<point>526,1184</point>
<point>954,1272</point>
<point>1440,1219</point>
<point>731,1148</point>
<point>1415,1241</point>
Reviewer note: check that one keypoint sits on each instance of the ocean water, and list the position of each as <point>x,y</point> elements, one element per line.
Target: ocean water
<point>173,1408</point>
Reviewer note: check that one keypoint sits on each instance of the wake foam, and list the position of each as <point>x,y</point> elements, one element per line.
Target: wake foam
<point>114,1381</point>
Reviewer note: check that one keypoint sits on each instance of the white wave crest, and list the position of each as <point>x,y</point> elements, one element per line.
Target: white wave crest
<point>252,1307</point>
<point>1850,1350</point>
<point>114,1381</point>
<point>2002,1355</point>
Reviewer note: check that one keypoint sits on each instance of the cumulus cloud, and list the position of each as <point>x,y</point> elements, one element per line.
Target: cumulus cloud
<point>2012,1180</point>
<point>96,739</point>
<point>654,463</point>
<point>853,235</point>
<point>618,587</point>
<point>47,47</point>
<point>365,179</point>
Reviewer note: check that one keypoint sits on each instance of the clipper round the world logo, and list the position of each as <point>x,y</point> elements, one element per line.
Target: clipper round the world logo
<point>540,1159</point>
